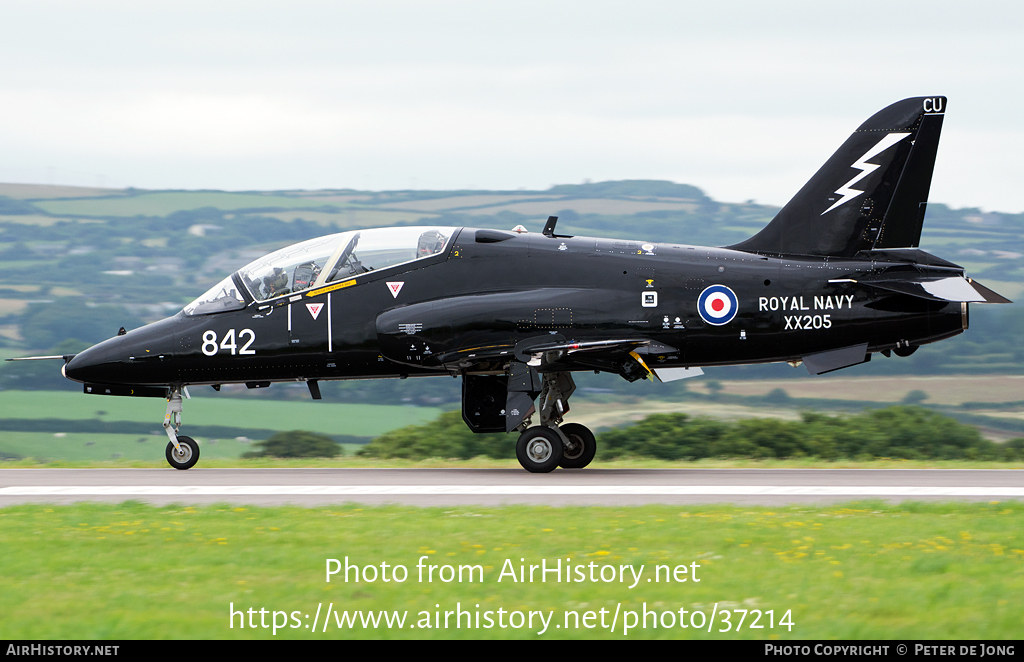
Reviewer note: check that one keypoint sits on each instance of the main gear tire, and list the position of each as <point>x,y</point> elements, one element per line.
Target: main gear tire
<point>582,446</point>
<point>539,449</point>
<point>185,458</point>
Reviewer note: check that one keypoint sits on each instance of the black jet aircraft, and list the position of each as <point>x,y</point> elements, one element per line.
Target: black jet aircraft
<point>835,277</point>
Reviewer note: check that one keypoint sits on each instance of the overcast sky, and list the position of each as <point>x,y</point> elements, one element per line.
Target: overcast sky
<point>743,99</point>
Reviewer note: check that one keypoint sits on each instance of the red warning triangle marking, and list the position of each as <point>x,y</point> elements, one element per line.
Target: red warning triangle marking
<point>314,309</point>
<point>396,287</point>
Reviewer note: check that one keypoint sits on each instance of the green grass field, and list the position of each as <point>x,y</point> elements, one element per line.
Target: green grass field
<point>97,449</point>
<point>323,417</point>
<point>853,571</point>
<point>98,446</point>
<point>166,202</point>
<point>355,217</point>
<point>30,219</point>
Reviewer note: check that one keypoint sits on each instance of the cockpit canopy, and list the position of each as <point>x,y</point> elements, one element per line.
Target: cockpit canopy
<point>321,261</point>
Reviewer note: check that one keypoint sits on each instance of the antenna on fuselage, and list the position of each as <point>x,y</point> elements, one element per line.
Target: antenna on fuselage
<point>549,227</point>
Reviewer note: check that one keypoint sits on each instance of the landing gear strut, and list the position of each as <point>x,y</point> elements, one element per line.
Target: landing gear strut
<point>182,452</point>
<point>543,447</point>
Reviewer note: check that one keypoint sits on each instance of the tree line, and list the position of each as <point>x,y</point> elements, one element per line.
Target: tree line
<point>902,432</point>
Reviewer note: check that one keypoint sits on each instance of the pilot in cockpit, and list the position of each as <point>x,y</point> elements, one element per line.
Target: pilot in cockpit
<point>430,242</point>
<point>304,276</point>
<point>275,284</point>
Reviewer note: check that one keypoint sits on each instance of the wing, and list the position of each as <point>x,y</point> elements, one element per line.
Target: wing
<point>486,333</point>
<point>623,356</point>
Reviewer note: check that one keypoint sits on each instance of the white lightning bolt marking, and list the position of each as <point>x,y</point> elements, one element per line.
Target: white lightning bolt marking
<point>866,169</point>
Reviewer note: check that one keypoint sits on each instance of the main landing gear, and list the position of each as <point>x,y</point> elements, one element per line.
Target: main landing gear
<point>543,447</point>
<point>581,446</point>
<point>182,452</point>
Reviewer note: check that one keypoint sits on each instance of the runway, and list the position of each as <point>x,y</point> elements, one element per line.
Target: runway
<point>454,487</point>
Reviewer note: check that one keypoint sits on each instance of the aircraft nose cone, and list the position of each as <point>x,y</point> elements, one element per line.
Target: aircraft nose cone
<point>141,357</point>
<point>96,364</point>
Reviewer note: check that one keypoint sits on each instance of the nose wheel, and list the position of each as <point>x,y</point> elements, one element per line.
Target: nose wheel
<point>185,455</point>
<point>542,448</point>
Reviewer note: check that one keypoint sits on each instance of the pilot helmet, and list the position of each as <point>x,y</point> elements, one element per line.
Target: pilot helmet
<point>277,280</point>
<point>305,275</point>
<point>430,242</point>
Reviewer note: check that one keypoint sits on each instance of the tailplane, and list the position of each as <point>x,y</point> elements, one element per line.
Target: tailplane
<point>870,195</point>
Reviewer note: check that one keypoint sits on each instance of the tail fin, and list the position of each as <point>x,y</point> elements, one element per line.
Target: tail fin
<point>872,192</point>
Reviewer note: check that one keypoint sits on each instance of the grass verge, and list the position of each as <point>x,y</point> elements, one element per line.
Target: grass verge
<point>858,570</point>
<point>208,408</point>
<point>103,449</point>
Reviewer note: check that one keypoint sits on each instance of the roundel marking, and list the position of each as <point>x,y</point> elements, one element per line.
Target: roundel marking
<point>717,305</point>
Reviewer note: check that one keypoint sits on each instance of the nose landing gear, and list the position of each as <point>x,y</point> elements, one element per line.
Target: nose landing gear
<point>182,452</point>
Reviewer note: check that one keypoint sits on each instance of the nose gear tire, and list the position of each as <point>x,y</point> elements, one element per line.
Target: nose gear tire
<point>187,457</point>
<point>581,448</point>
<point>539,449</point>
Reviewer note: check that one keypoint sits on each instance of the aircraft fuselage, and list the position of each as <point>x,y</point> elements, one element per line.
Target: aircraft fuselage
<point>483,297</point>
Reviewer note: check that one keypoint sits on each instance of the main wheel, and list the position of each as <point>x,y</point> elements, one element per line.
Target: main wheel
<point>539,449</point>
<point>580,450</point>
<point>186,457</point>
